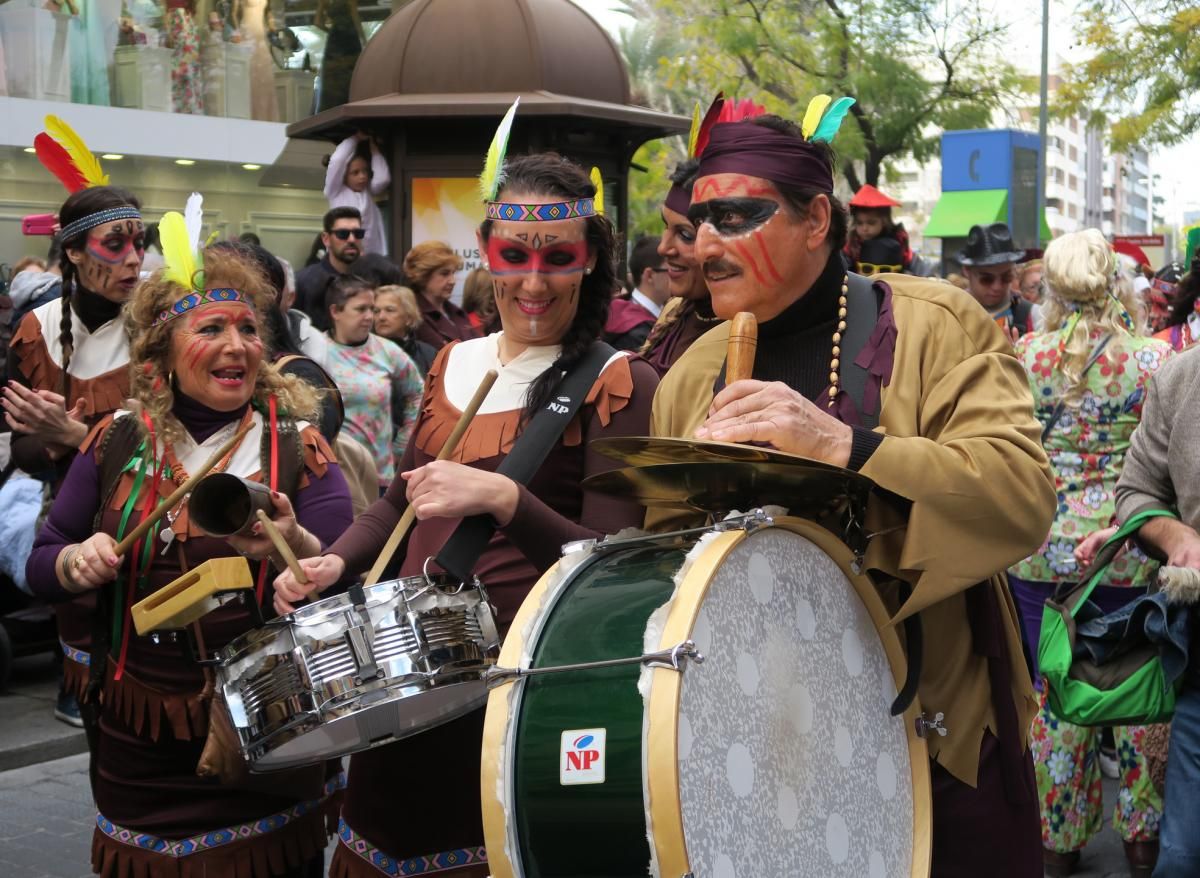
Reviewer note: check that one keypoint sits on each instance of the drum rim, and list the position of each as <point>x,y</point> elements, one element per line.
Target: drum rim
<point>660,731</point>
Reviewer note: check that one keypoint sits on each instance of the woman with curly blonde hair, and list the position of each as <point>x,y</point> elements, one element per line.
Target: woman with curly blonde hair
<point>430,269</point>
<point>1088,372</point>
<point>200,372</point>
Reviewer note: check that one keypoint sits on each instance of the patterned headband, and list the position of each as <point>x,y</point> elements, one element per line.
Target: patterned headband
<point>194,300</point>
<point>540,213</point>
<point>89,222</point>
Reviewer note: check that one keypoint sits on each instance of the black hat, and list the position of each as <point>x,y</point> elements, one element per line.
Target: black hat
<point>989,245</point>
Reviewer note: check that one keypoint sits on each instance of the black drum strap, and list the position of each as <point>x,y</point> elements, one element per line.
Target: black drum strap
<point>541,434</point>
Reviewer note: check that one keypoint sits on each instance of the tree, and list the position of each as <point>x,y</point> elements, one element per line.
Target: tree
<point>915,66</point>
<point>1141,81</point>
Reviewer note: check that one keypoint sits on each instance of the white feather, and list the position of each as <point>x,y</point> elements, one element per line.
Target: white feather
<point>193,219</point>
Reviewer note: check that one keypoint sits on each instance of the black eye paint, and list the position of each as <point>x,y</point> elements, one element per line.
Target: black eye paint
<point>733,216</point>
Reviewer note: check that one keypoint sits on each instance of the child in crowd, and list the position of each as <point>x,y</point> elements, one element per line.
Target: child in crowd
<point>871,218</point>
<point>354,175</point>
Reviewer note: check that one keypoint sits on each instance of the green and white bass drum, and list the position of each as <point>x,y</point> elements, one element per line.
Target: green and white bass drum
<point>712,703</point>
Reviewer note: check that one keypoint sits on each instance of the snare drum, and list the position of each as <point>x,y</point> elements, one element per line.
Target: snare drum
<point>334,677</point>
<point>749,736</point>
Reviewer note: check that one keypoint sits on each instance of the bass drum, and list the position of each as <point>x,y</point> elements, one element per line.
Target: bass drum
<point>775,755</point>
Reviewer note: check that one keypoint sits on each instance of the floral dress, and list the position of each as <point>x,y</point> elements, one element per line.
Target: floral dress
<point>1087,448</point>
<point>187,86</point>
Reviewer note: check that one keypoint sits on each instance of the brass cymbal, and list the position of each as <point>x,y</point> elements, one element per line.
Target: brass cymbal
<point>648,450</point>
<point>804,487</point>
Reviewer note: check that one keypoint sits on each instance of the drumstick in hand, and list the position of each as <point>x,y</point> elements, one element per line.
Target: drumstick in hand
<point>406,520</point>
<point>179,493</point>
<point>281,546</point>
<point>743,342</point>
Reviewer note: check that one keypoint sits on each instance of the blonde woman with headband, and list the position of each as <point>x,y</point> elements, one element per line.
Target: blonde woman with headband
<point>1088,372</point>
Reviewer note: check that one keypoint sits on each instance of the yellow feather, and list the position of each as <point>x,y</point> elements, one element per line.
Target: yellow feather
<point>179,260</point>
<point>812,116</point>
<point>493,165</point>
<point>598,199</point>
<point>694,134</point>
<point>87,163</point>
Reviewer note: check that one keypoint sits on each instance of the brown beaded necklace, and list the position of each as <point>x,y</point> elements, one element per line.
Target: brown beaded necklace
<point>837,342</point>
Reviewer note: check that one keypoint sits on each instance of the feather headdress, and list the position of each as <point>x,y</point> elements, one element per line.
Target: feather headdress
<point>66,156</point>
<point>179,236</point>
<point>492,176</point>
<point>824,117</point>
<point>701,126</point>
<point>598,198</point>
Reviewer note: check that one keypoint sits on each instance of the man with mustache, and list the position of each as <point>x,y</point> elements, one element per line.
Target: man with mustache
<point>910,383</point>
<point>342,239</point>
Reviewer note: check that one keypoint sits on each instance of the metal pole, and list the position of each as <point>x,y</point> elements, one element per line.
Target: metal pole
<point>1043,111</point>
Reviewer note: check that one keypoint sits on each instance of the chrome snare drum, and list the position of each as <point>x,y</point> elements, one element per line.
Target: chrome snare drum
<point>335,677</point>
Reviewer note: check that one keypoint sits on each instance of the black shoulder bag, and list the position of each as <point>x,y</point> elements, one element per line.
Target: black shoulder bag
<point>541,434</point>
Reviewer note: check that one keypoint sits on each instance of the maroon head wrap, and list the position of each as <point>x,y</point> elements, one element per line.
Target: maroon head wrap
<point>679,198</point>
<point>759,151</point>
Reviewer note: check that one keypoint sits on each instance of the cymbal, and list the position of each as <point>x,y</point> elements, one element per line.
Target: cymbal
<point>721,486</point>
<point>647,450</point>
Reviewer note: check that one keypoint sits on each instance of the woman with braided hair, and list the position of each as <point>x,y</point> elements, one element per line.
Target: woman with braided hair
<point>688,314</point>
<point>69,367</point>
<point>551,281</point>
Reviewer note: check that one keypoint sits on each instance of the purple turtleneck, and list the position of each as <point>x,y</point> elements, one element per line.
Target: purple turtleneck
<point>322,507</point>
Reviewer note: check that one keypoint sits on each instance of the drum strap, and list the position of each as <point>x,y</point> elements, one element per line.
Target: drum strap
<point>470,538</point>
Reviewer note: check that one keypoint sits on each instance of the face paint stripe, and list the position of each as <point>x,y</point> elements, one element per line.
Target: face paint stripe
<point>743,251</point>
<point>767,260</point>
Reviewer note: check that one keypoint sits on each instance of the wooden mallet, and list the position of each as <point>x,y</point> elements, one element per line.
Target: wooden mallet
<point>743,343</point>
<point>406,520</point>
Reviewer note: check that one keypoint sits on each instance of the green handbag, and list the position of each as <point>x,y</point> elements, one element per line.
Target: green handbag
<point>1129,690</point>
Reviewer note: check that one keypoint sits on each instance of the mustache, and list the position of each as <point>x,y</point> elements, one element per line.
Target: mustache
<point>718,267</point>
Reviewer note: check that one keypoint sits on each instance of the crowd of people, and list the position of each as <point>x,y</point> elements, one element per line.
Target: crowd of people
<point>1011,416</point>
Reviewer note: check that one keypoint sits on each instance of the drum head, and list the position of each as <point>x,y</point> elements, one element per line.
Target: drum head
<point>789,762</point>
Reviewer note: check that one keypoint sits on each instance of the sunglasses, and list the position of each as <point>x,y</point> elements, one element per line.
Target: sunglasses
<point>344,234</point>
<point>872,268</point>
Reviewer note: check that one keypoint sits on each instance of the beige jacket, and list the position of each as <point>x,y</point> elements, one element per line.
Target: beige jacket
<point>963,445</point>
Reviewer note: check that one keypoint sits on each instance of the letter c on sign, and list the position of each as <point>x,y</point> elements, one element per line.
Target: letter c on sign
<point>974,174</point>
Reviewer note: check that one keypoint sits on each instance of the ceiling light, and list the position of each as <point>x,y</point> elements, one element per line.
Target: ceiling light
<point>112,157</point>
<point>252,167</point>
<point>30,149</point>
<point>185,162</point>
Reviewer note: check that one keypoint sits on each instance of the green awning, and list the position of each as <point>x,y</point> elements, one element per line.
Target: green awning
<point>956,212</point>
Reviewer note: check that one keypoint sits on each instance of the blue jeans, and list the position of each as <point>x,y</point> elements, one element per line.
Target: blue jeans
<point>1179,852</point>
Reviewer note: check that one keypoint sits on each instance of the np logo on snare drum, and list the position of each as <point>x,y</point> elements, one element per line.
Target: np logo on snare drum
<point>581,757</point>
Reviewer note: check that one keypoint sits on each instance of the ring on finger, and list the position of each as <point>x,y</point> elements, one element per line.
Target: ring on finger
<point>77,562</point>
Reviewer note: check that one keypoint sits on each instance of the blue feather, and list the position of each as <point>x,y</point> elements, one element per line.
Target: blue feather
<point>832,120</point>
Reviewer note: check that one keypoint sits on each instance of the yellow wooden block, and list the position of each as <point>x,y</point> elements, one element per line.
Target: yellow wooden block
<point>182,602</point>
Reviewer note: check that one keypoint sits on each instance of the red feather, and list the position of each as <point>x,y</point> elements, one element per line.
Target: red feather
<point>738,111</point>
<point>710,119</point>
<point>56,160</point>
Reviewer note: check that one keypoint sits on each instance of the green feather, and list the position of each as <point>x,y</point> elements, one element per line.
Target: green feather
<point>812,116</point>
<point>832,120</point>
<point>491,178</point>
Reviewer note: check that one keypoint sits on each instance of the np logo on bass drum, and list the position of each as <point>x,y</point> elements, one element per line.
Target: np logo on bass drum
<point>581,757</point>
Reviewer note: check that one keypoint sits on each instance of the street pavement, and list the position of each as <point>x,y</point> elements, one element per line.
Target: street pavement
<point>47,817</point>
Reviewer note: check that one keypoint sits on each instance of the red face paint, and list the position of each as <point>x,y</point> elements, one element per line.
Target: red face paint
<point>753,256</point>
<point>112,258</point>
<point>216,354</point>
<point>536,255</point>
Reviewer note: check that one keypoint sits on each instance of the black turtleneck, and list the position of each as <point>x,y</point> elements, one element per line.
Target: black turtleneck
<point>796,347</point>
<point>200,420</point>
<point>92,309</point>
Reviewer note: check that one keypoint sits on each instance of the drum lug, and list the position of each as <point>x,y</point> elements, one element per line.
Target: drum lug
<point>359,638</point>
<point>926,726</point>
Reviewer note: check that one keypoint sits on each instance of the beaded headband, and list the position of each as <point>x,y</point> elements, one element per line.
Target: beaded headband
<point>194,300</point>
<point>540,213</point>
<point>89,222</point>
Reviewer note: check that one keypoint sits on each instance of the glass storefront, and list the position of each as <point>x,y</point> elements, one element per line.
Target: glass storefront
<point>268,60</point>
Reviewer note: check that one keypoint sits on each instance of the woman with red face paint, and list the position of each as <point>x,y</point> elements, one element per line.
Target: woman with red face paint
<point>551,280</point>
<point>69,367</point>
<point>200,372</point>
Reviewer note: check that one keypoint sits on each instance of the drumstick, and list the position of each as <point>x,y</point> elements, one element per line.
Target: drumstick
<point>406,520</point>
<point>281,546</point>
<point>179,493</point>
<point>743,342</point>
